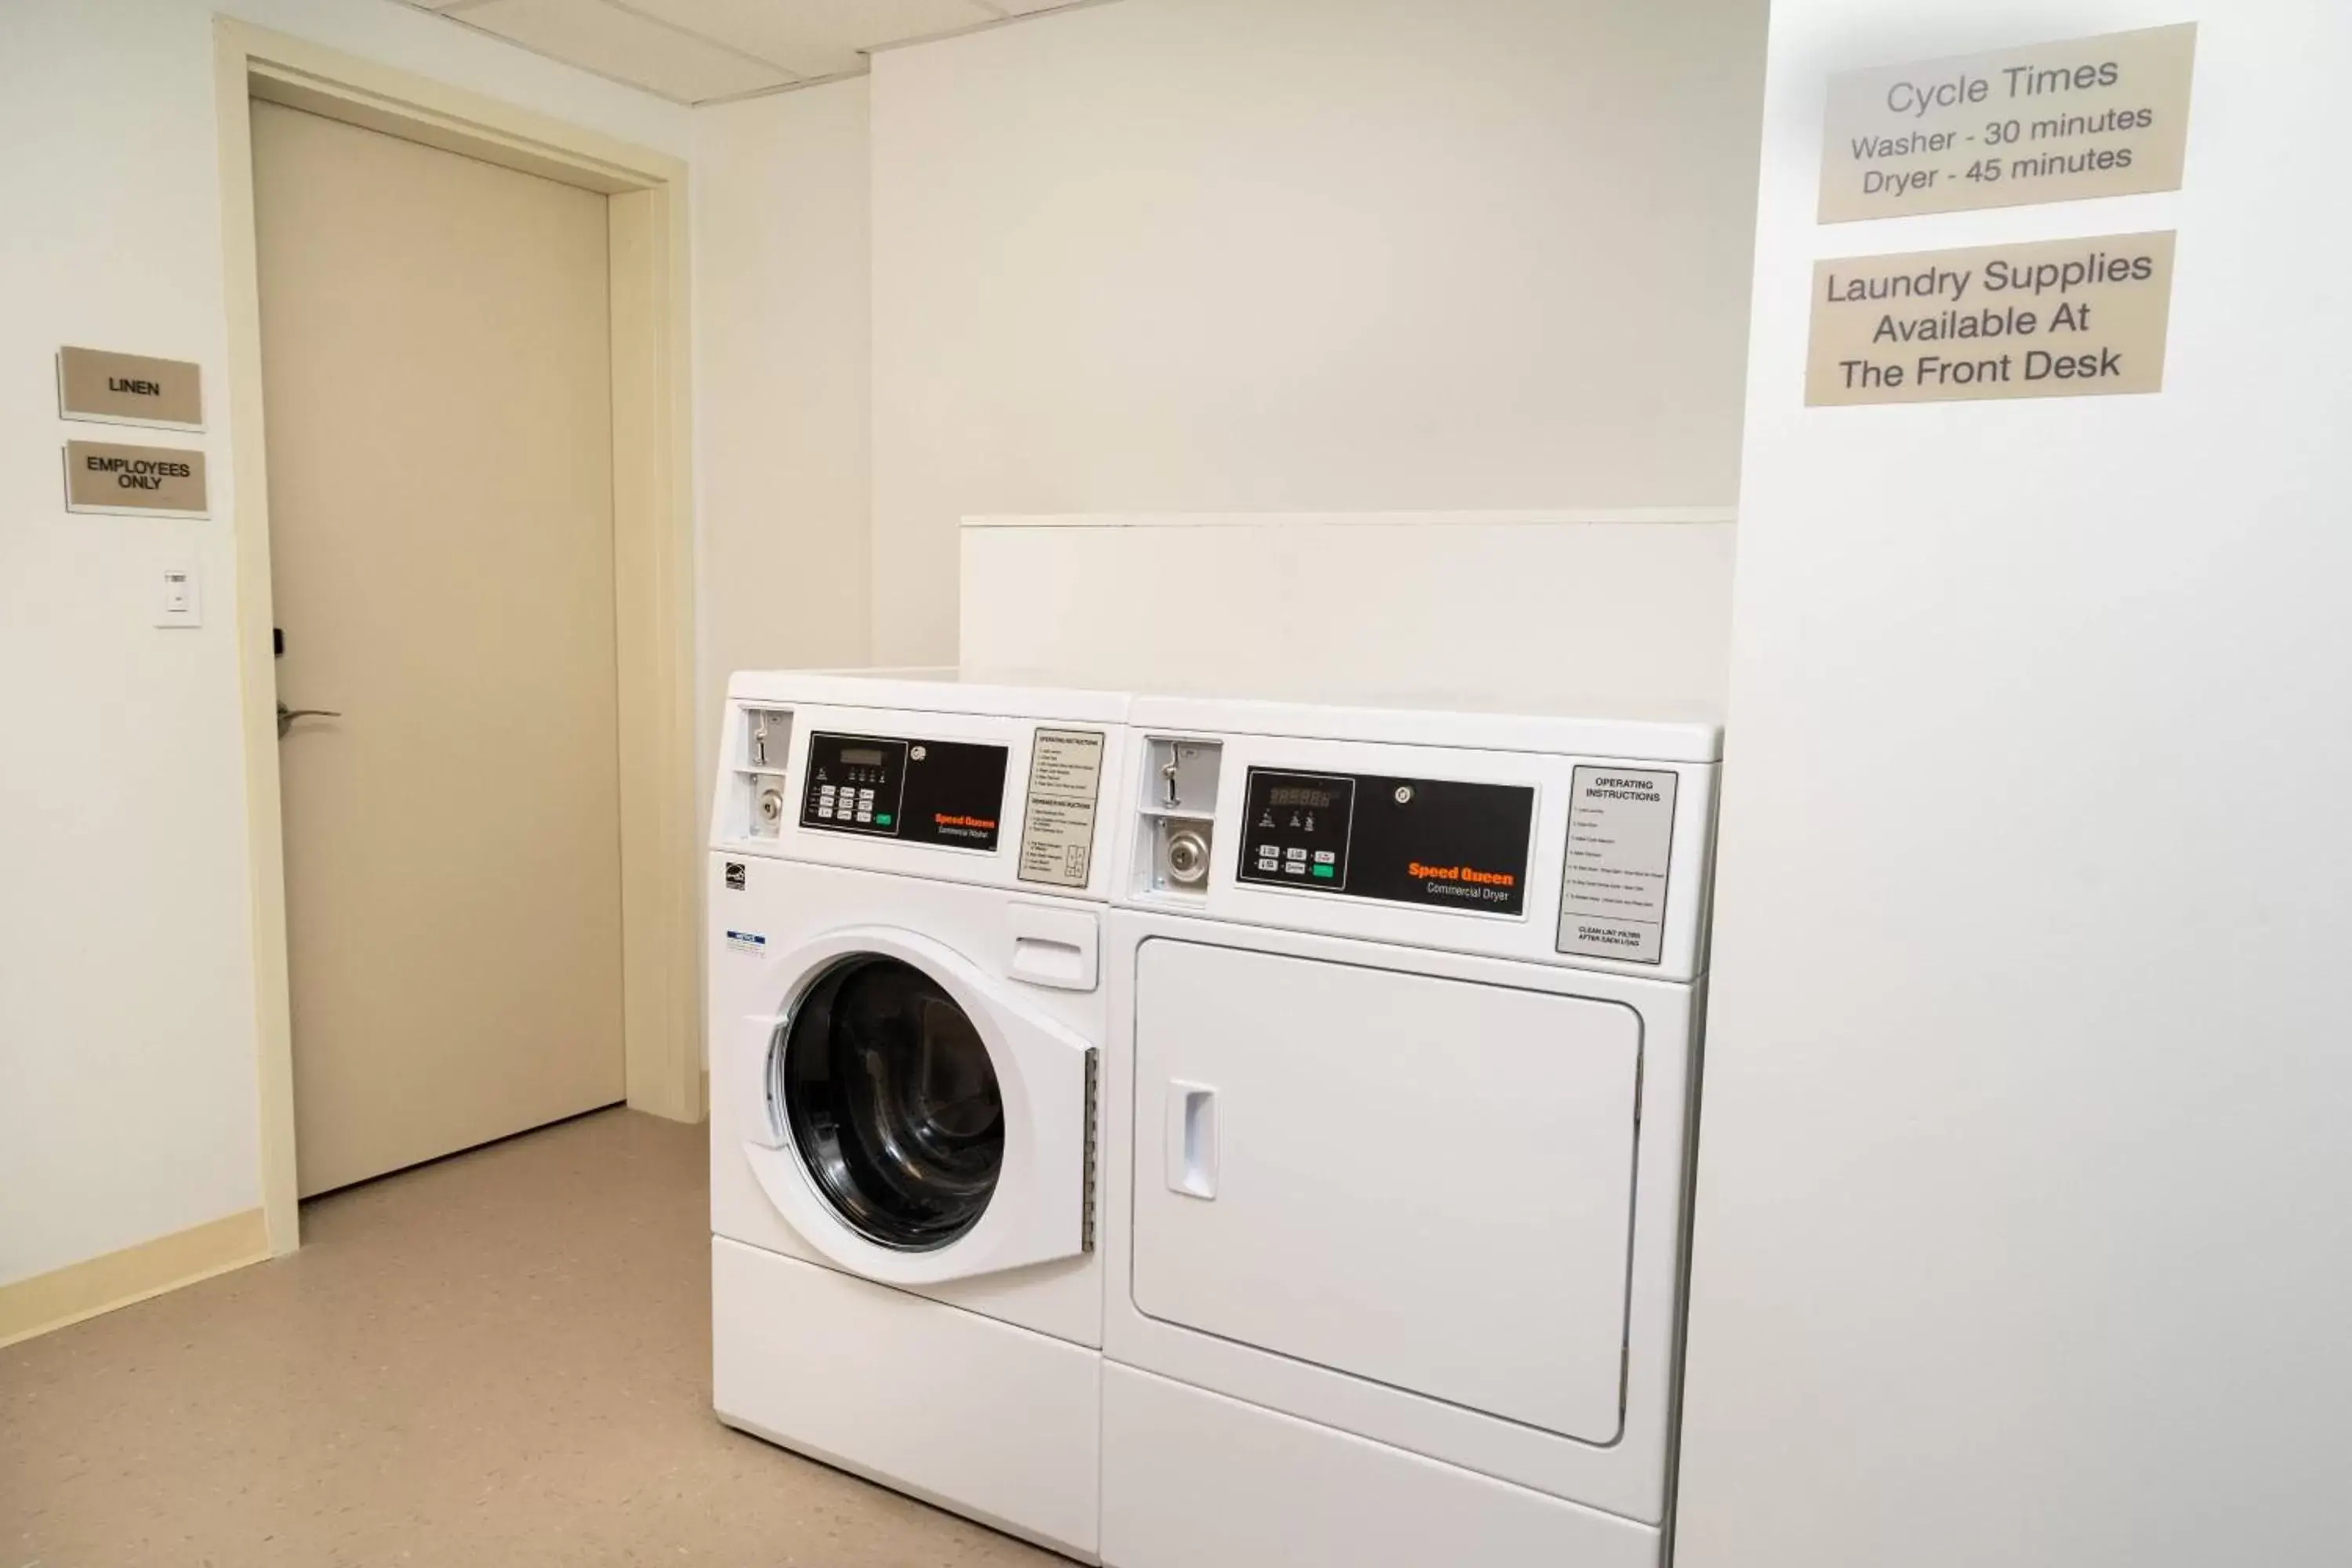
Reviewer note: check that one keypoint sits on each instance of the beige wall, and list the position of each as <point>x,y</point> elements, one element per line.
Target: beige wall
<point>128,1097</point>
<point>1304,254</point>
<point>781,357</point>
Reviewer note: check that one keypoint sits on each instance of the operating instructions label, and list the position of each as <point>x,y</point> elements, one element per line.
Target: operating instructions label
<point>2106,116</point>
<point>1621,836</point>
<point>1057,827</point>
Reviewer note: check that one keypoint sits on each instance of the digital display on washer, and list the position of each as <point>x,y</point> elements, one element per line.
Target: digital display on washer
<point>918,791</point>
<point>1436,842</point>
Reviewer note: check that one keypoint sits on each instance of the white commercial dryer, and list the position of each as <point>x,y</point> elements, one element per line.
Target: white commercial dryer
<point>906,1020</point>
<point>1405,1020</point>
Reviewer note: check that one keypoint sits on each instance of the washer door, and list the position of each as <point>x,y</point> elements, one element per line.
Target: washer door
<point>919,1125</point>
<point>892,1103</point>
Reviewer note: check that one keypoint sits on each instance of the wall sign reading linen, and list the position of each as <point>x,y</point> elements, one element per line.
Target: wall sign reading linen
<point>2062,318</point>
<point>144,481</point>
<point>2050,122</point>
<point>129,389</point>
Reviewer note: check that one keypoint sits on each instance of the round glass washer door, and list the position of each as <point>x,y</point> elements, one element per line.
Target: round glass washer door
<point>893,1103</point>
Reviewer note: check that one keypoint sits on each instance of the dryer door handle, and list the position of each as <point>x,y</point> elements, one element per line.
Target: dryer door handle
<point>1193,1140</point>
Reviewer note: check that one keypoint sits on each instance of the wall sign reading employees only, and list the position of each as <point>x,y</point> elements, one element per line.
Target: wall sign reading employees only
<point>142,481</point>
<point>2064,318</point>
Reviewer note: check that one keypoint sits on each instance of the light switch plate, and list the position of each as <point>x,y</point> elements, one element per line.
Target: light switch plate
<point>179,595</point>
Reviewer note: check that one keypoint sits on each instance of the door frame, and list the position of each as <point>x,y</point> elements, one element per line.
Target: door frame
<point>652,545</point>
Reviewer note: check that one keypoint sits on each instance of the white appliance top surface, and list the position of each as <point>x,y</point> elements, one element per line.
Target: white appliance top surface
<point>1568,725</point>
<point>944,690</point>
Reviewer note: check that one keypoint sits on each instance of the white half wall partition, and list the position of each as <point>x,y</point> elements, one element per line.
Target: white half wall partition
<point>1610,611</point>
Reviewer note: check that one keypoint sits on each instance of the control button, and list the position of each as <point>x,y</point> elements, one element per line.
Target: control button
<point>1268,863</point>
<point>865,797</point>
<point>1325,871</point>
<point>1273,851</point>
<point>864,817</point>
<point>881,819</point>
<point>1294,868</point>
<point>825,790</point>
<point>1294,853</point>
<point>1325,857</point>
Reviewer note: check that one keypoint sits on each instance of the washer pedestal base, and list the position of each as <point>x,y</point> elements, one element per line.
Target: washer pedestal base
<point>994,1422</point>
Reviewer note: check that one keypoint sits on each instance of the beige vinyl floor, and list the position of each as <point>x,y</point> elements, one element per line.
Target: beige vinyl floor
<point>501,1358</point>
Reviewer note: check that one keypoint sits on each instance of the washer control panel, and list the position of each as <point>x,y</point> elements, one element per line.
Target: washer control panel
<point>1440,843</point>
<point>920,792</point>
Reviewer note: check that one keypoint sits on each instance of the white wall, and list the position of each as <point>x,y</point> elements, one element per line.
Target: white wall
<point>2023,1233</point>
<point>1626,612</point>
<point>782,329</point>
<point>1304,255</point>
<point>128,1100</point>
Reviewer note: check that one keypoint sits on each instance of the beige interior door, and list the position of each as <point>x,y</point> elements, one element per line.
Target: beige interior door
<point>436,375</point>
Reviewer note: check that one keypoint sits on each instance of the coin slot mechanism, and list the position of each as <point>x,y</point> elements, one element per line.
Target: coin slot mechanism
<point>763,745</point>
<point>1176,822</point>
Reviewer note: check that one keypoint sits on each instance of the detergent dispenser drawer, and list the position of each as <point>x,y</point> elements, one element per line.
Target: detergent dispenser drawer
<point>1422,1182</point>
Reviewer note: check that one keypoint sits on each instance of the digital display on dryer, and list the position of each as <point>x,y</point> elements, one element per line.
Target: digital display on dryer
<point>1440,843</point>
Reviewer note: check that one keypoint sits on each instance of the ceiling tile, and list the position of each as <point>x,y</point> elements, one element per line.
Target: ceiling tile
<point>817,38</point>
<point>617,43</point>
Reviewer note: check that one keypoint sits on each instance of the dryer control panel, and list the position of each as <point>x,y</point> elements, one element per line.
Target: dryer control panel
<point>920,792</point>
<point>1561,841</point>
<point>1441,843</point>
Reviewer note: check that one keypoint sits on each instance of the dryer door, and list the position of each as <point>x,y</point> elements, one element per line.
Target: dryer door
<point>1422,1181</point>
<point>920,1126</point>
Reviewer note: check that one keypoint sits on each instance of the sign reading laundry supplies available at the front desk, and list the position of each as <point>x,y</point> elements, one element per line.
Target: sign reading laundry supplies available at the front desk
<point>2062,318</point>
<point>1438,842</point>
<point>918,791</point>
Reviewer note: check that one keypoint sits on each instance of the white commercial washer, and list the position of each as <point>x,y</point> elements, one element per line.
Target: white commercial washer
<point>1402,1079</point>
<point>906,1020</point>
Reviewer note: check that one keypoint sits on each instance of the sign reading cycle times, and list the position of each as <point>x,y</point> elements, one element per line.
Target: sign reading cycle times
<point>2061,318</point>
<point>2050,122</point>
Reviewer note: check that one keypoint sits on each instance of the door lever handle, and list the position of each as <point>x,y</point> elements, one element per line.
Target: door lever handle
<point>286,716</point>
